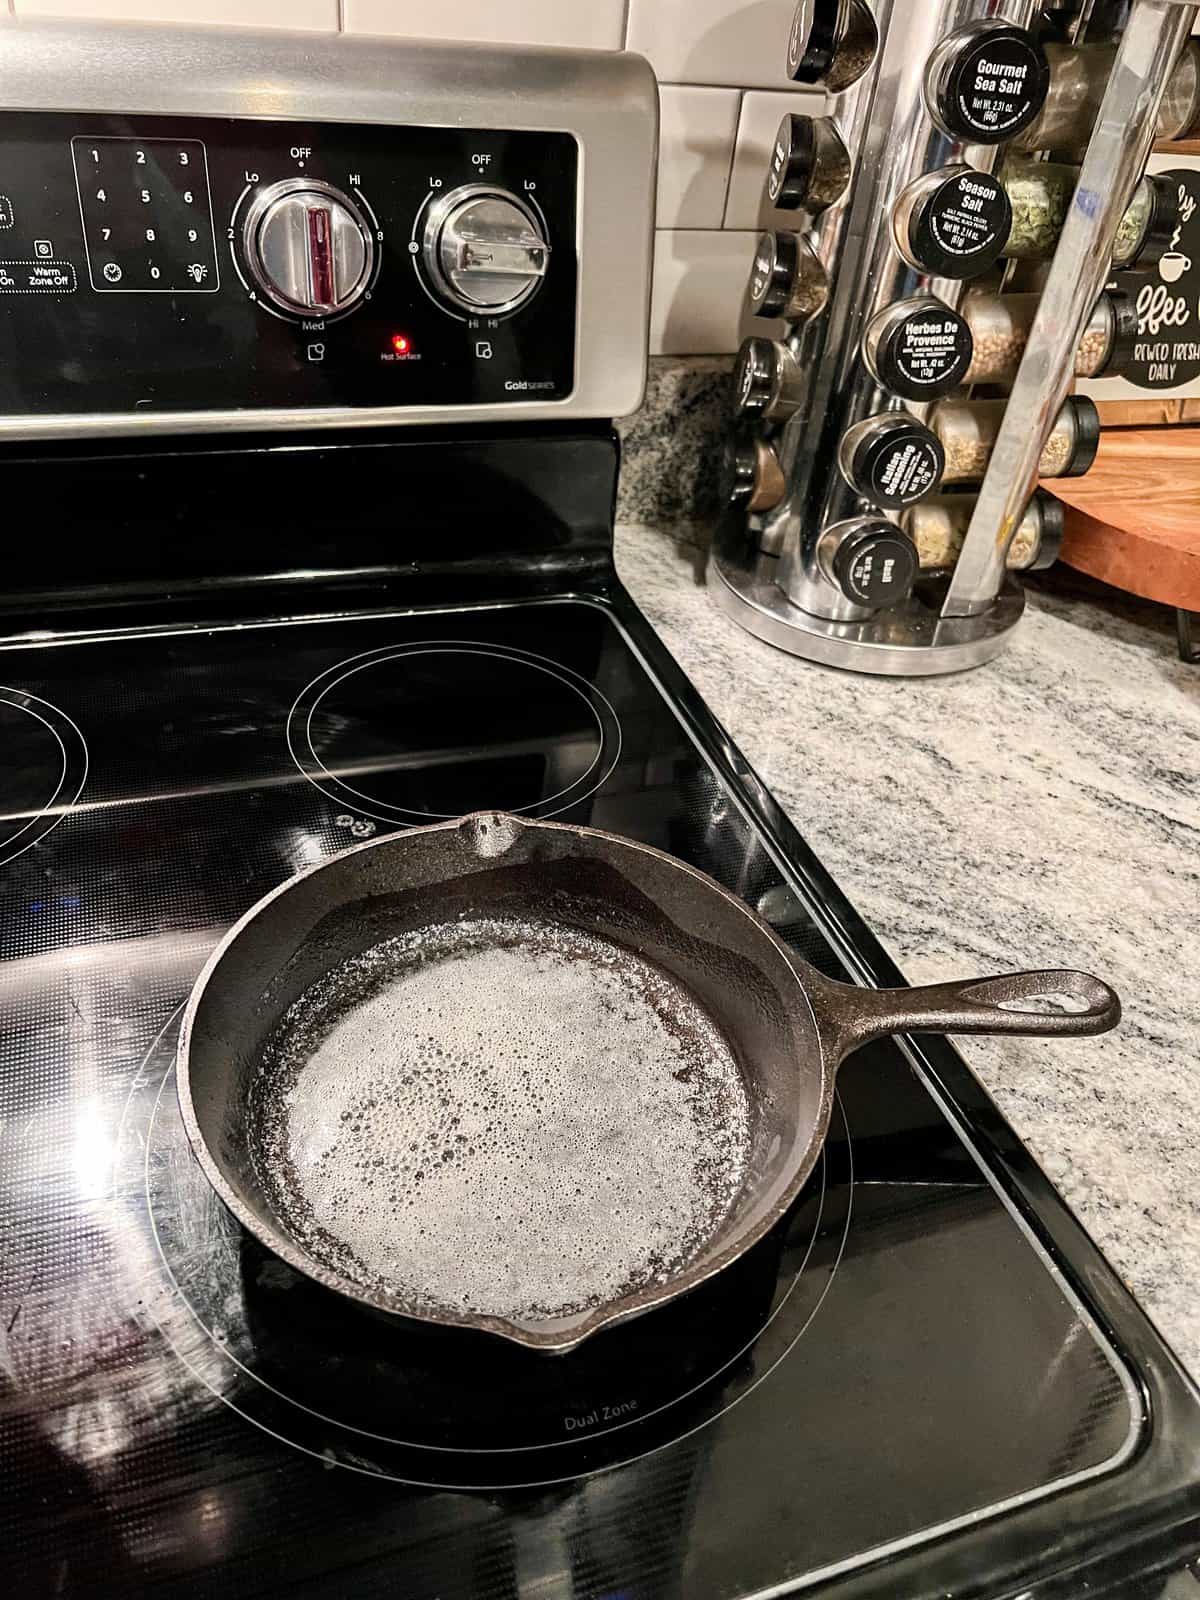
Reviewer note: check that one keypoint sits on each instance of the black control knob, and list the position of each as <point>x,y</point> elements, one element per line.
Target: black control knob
<point>767,381</point>
<point>871,561</point>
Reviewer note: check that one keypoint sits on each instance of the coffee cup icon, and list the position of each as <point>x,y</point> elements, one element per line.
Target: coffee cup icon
<point>1173,265</point>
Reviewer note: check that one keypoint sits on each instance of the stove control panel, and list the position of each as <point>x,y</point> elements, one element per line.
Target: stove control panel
<point>153,265</point>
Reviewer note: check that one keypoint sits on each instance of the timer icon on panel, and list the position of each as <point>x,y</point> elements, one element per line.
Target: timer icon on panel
<point>147,215</point>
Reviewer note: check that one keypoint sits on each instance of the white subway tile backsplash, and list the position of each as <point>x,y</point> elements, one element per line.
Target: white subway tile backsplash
<point>695,147</point>
<point>738,42</point>
<point>594,23</point>
<point>758,123</point>
<point>697,305</point>
<point>299,14</point>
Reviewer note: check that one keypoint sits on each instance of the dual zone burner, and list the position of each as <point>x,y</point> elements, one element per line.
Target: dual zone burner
<point>439,1407</point>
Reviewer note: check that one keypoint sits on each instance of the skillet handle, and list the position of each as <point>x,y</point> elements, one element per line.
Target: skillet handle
<point>1059,1003</point>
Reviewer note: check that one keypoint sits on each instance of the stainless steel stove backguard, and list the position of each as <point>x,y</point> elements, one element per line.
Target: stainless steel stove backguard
<point>301,256</point>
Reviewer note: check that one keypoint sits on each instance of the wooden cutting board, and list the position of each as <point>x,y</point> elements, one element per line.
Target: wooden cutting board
<point>1134,519</point>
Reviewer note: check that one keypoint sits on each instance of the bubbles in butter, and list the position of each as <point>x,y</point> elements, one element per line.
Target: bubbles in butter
<point>500,1117</point>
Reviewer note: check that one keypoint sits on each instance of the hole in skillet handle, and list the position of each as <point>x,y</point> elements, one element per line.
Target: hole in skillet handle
<point>1048,1005</point>
<point>1049,994</point>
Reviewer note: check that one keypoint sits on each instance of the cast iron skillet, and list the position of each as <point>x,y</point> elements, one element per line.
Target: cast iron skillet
<point>788,1026</point>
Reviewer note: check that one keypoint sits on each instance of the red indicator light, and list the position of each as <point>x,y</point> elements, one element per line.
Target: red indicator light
<point>401,344</point>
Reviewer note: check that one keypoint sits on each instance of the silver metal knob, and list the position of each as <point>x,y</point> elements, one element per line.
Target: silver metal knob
<point>484,250</point>
<point>309,247</point>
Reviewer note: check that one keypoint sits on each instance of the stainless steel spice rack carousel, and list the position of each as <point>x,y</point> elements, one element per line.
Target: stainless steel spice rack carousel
<point>880,499</point>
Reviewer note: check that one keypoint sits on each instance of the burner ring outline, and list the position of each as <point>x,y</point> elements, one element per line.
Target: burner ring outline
<point>50,813</point>
<point>342,793</point>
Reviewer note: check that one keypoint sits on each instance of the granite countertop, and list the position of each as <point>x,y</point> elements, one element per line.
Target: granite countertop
<point>1042,810</point>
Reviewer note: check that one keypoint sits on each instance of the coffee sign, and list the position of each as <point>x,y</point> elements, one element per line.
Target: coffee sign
<point>1167,296</point>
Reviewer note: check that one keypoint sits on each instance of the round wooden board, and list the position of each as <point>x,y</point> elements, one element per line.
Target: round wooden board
<point>1134,519</point>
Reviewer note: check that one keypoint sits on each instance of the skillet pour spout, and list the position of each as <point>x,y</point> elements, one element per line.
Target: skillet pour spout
<point>663,928</point>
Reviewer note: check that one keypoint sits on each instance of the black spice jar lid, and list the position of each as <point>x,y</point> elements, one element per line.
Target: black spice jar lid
<point>1125,332</point>
<point>920,349</point>
<point>812,43</point>
<point>787,278</point>
<point>1052,526</point>
<point>735,476</point>
<point>793,158</point>
<point>959,224</point>
<point>750,474</point>
<point>875,565</point>
<point>987,81</point>
<point>756,377</point>
<point>776,262</point>
<point>1087,436</point>
<point>897,461</point>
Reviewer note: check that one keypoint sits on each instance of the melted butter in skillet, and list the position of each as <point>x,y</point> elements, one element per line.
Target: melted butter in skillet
<point>505,1118</point>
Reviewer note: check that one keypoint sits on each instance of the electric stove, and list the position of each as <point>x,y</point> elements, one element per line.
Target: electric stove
<point>222,660</point>
<point>927,1380</point>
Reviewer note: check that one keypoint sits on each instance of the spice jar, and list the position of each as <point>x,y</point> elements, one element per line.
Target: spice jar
<point>832,43</point>
<point>1147,230</point>
<point>918,348</point>
<point>787,280</point>
<point>1108,340</point>
<point>1179,113</point>
<point>1000,325</point>
<point>810,167</point>
<point>870,560</point>
<point>1078,78</point>
<point>986,81</point>
<point>952,222</point>
<point>891,459</point>
<point>938,529</point>
<point>751,475</point>
<point>1040,195</point>
<point>767,380</point>
<point>968,429</point>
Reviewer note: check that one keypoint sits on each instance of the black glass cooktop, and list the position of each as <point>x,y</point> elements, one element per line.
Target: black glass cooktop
<point>899,1363</point>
